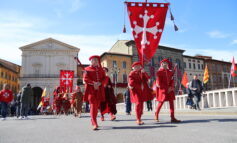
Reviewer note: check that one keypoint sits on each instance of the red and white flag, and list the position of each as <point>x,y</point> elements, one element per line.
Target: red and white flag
<point>66,80</point>
<point>233,68</point>
<point>147,22</point>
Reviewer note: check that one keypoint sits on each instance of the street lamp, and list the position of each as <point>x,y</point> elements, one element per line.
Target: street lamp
<point>115,71</point>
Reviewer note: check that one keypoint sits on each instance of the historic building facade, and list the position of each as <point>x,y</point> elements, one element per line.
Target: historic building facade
<point>219,73</point>
<point>119,66</point>
<point>174,55</point>
<point>41,65</point>
<point>9,73</point>
<point>193,66</point>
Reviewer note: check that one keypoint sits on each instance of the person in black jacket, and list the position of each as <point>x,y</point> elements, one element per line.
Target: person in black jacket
<point>196,90</point>
<point>128,102</point>
<point>27,93</point>
<point>18,104</point>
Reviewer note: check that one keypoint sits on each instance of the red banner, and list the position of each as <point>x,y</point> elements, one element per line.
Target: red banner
<point>147,21</point>
<point>233,68</point>
<point>66,80</point>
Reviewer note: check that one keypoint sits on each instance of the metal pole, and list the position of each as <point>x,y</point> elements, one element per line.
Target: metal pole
<point>229,81</point>
<point>234,81</point>
<point>116,82</point>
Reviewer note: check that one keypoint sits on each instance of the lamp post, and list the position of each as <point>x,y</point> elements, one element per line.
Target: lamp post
<point>115,71</point>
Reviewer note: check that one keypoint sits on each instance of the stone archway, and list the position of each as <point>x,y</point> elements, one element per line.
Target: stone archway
<point>120,98</point>
<point>37,92</point>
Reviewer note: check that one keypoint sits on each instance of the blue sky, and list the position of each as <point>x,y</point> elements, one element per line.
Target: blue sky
<point>207,27</point>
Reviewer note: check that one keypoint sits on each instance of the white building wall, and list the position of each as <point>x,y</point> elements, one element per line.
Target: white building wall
<point>41,64</point>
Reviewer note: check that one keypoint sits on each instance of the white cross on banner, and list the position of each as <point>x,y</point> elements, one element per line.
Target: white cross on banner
<point>66,80</point>
<point>147,22</point>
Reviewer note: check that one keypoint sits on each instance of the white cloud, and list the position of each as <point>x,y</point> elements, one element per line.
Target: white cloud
<point>13,36</point>
<point>225,55</point>
<point>75,5</point>
<point>17,30</point>
<point>217,34</point>
<point>234,42</point>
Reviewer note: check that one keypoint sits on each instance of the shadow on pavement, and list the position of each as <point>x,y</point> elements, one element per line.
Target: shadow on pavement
<point>143,127</point>
<point>131,120</point>
<point>208,120</point>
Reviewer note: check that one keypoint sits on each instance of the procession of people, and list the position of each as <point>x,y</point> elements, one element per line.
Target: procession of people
<point>99,93</point>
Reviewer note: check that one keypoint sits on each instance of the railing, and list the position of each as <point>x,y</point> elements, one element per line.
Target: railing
<point>221,98</point>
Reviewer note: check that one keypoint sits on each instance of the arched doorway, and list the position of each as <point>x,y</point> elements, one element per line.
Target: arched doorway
<point>120,98</point>
<point>37,92</point>
<point>79,81</point>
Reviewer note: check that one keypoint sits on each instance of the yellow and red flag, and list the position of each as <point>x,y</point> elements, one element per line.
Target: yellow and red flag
<point>185,80</point>
<point>42,98</point>
<point>206,75</point>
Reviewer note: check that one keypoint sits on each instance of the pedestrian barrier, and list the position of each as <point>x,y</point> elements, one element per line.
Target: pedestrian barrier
<point>221,98</point>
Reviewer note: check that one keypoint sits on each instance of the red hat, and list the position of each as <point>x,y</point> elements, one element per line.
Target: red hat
<point>94,56</point>
<point>168,62</point>
<point>136,63</point>
<point>97,57</point>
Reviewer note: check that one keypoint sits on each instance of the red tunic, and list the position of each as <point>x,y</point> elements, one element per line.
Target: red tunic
<point>58,103</point>
<point>91,75</point>
<point>66,104</point>
<point>164,79</point>
<point>6,96</point>
<point>137,83</point>
<point>109,105</point>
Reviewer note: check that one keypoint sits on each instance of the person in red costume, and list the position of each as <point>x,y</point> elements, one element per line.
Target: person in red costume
<point>58,103</point>
<point>55,95</point>
<point>5,98</point>
<point>66,103</point>
<point>77,101</point>
<point>94,78</point>
<point>165,88</point>
<point>109,105</point>
<point>139,89</point>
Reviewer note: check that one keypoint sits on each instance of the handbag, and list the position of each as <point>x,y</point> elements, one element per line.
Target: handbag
<point>189,101</point>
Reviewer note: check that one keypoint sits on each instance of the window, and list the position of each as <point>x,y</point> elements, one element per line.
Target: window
<point>125,79</point>
<point>194,66</point>
<point>214,78</point>
<point>224,68</point>
<point>190,65</point>
<point>185,66</point>
<point>178,63</point>
<point>152,62</point>
<point>114,64</point>
<point>160,58</point>
<point>199,67</point>
<point>124,65</point>
<point>219,68</point>
<point>213,67</point>
<point>202,67</point>
<point>36,71</point>
<point>114,78</point>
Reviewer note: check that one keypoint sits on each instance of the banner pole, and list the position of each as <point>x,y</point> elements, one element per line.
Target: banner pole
<point>229,81</point>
